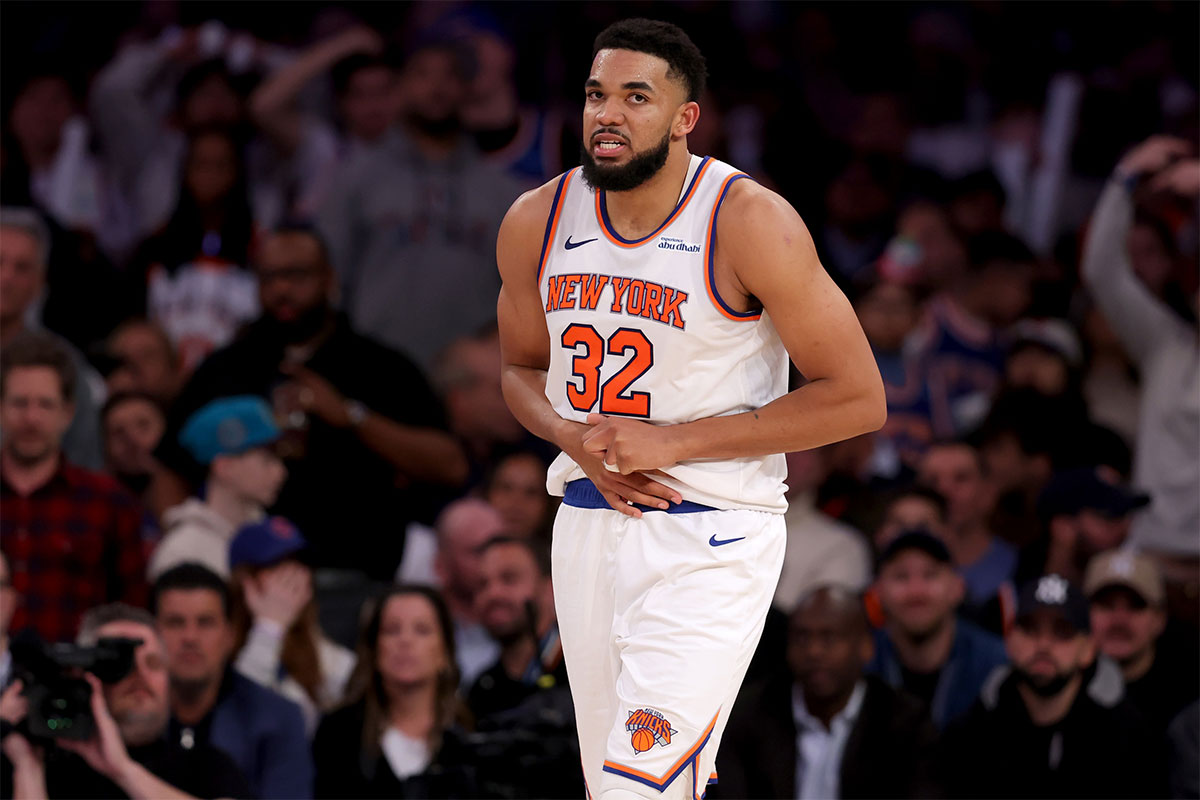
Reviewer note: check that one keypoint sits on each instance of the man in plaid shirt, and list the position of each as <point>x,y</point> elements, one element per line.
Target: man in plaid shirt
<point>71,536</point>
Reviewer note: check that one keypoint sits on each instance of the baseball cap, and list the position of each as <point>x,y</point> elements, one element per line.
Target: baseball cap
<point>1074,490</point>
<point>1125,568</point>
<point>1055,335</point>
<point>916,539</point>
<point>264,542</point>
<point>1057,593</point>
<point>228,426</point>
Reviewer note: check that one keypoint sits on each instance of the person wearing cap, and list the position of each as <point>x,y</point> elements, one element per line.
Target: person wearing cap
<point>1044,355</point>
<point>278,638</point>
<point>1128,616</point>
<point>1054,722</point>
<point>924,648</point>
<point>233,436</point>
<point>1087,511</point>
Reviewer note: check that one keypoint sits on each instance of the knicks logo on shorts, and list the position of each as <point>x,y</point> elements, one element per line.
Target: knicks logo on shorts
<point>647,728</point>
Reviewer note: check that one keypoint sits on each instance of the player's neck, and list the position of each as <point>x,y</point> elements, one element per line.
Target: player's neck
<point>639,212</point>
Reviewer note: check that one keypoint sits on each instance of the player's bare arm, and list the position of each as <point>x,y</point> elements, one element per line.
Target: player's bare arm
<point>525,355</point>
<point>766,255</point>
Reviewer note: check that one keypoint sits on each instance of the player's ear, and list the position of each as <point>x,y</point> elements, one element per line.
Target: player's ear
<point>686,118</point>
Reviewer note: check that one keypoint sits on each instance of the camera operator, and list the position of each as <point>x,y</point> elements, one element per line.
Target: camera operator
<point>129,755</point>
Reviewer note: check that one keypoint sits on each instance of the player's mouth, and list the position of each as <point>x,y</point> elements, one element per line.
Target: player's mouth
<point>607,145</point>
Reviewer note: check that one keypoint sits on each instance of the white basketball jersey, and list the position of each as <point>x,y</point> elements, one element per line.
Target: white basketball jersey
<point>637,329</point>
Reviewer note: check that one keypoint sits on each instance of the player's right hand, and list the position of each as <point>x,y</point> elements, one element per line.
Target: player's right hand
<point>621,490</point>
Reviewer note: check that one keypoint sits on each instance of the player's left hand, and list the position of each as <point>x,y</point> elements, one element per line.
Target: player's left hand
<point>629,445</point>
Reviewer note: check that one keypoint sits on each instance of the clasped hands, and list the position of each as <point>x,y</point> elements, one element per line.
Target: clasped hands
<point>621,454</point>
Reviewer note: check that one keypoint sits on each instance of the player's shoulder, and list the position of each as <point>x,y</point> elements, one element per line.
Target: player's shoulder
<point>750,203</point>
<point>534,206</point>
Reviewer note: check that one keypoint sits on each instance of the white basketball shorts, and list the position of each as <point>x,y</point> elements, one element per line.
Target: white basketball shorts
<point>659,618</point>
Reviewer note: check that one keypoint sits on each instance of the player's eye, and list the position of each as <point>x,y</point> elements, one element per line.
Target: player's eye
<point>638,98</point>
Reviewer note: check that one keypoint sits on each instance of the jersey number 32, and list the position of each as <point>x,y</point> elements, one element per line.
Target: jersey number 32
<point>614,395</point>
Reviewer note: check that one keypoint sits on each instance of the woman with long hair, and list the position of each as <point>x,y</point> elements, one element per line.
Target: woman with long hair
<point>279,642</point>
<point>398,734</point>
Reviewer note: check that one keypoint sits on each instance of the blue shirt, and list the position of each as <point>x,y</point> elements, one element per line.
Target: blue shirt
<point>973,656</point>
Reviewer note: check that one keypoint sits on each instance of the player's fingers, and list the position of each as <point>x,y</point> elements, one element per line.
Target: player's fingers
<point>621,504</point>
<point>654,488</point>
<point>636,495</point>
<point>595,419</point>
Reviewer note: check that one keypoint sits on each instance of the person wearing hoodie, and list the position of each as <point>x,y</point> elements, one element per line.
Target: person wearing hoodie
<point>233,437</point>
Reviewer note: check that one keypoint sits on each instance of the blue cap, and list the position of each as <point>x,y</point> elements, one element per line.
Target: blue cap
<point>267,541</point>
<point>228,426</point>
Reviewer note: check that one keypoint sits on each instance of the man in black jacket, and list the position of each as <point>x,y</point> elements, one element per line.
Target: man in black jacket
<point>1054,723</point>
<point>858,737</point>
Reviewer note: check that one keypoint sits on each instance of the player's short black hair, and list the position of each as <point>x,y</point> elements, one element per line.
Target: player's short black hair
<point>685,62</point>
<point>190,576</point>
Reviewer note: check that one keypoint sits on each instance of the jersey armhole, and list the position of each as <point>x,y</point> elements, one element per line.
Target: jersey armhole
<point>710,252</point>
<point>560,195</point>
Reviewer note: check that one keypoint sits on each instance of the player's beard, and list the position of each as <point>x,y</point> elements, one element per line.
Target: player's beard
<point>640,168</point>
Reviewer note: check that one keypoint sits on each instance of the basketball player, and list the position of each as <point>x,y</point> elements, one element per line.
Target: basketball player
<point>650,302</point>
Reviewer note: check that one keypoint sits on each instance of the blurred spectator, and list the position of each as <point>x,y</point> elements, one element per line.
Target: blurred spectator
<point>348,435</point>
<point>1044,355</point>
<point>1183,739</point>
<point>826,730</point>
<point>888,312</point>
<point>1128,616</point>
<point>925,648</point>
<point>70,534</point>
<point>154,94</point>
<point>1086,512</point>
<point>132,425</point>
<point>977,203</point>
<point>515,604</point>
<point>908,509</point>
<point>129,755</point>
<point>412,224</point>
<point>235,437</point>
<point>526,142</point>
<point>516,487</point>
<point>960,339</point>
<point>365,92</point>
<point>1110,384</point>
<point>1162,345</point>
<point>466,376</point>
<point>820,550</point>
<point>859,210</point>
<point>142,359</point>
<point>8,606</point>
<point>398,737</point>
<point>192,277</point>
<point>52,141</point>
<point>940,258</point>
<point>1055,724</point>
<point>956,471</point>
<point>214,705</point>
<point>24,248</point>
<point>462,530</point>
<point>278,638</point>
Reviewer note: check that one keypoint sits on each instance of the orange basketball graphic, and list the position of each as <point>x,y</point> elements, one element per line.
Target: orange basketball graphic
<point>643,740</point>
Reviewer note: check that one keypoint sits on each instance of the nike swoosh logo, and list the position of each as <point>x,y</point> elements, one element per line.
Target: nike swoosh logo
<point>715,542</point>
<point>572,245</point>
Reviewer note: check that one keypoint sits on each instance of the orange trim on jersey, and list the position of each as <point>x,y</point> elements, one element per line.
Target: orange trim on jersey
<point>612,236</point>
<point>672,771</point>
<point>710,239</point>
<point>560,198</point>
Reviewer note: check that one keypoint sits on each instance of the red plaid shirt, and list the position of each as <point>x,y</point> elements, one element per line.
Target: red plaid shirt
<point>71,545</point>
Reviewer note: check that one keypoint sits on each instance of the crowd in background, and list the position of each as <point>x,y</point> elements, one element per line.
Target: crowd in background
<point>251,413</point>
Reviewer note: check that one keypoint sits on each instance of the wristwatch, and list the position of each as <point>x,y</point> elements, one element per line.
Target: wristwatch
<point>356,412</point>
